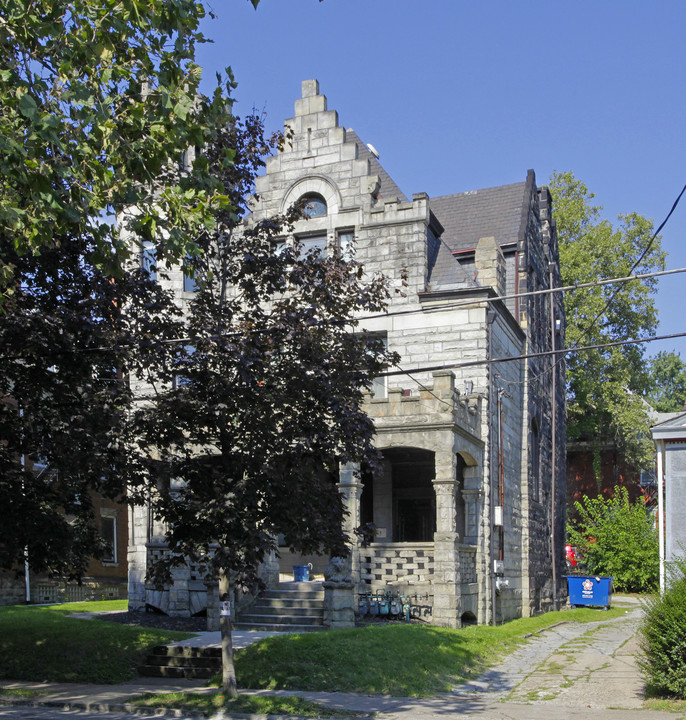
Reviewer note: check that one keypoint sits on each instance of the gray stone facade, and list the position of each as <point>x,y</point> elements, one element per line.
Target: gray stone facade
<point>470,501</point>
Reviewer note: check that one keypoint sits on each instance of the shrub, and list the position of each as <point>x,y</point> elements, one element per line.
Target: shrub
<point>617,537</point>
<point>663,638</point>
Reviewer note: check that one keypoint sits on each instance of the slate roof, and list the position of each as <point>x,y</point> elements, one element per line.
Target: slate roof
<point>498,212</point>
<point>388,187</point>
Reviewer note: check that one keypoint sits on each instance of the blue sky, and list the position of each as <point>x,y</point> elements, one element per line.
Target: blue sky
<point>462,95</point>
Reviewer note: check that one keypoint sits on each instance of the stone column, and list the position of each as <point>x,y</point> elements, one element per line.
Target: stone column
<point>179,592</point>
<point>339,595</point>
<point>269,569</point>
<point>446,583</point>
<point>212,589</point>
<point>350,486</point>
<point>137,556</point>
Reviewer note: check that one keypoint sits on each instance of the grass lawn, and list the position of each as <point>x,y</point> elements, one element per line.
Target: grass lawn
<point>250,704</point>
<point>397,659</point>
<point>42,643</point>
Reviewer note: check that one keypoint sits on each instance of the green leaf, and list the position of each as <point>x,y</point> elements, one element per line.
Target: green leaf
<point>27,106</point>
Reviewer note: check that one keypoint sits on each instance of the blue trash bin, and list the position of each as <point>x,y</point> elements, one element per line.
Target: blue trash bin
<point>594,590</point>
<point>301,573</point>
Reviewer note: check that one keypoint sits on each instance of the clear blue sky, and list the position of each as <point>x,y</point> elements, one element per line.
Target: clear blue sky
<point>460,95</point>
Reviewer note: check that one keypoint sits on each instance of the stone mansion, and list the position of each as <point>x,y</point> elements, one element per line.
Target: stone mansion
<point>469,508</point>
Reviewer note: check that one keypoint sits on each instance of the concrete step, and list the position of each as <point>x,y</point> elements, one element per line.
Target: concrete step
<point>281,602</point>
<point>175,661</point>
<point>309,585</point>
<point>253,617</point>
<point>260,608</point>
<point>278,627</point>
<point>293,594</point>
<point>189,673</point>
<point>186,651</point>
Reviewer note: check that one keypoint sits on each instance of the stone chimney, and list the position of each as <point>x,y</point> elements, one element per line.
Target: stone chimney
<point>490,263</point>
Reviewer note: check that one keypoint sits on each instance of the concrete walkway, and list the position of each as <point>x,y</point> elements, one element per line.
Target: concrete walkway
<point>570,671</point>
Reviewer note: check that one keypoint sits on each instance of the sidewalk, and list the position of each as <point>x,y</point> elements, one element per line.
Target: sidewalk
<point>566,672</point>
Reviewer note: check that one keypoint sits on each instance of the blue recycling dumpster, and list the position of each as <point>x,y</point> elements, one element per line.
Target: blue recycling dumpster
<point>301,573</point>
<point>590,590</point>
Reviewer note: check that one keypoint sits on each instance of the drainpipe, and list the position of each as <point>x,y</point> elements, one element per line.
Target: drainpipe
<point>490,318</point>
<point>660,446</point>
<point>553,418</point>
<point>501,479</point>
<point>27,581</point>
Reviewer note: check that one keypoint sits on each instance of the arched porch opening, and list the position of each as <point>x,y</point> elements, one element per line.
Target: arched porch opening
<point>399,498</point>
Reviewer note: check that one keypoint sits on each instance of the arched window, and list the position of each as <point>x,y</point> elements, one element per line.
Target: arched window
<point>313,205</point>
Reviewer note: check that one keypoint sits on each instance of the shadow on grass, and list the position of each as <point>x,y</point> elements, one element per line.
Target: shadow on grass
<point>403,660</point>
<point>41,643</point>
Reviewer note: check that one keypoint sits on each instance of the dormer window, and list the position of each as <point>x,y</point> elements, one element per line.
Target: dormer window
<point>313,205</point>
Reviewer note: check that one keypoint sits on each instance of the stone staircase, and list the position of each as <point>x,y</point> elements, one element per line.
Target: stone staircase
<point>179,661</point>
<point>288,607</point>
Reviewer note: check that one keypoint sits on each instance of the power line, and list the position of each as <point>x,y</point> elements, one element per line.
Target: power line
<point>589,327</point>
<point>531,293</point>
<point>432,308</point>
<point>601,312</point>
<point>527,356</point>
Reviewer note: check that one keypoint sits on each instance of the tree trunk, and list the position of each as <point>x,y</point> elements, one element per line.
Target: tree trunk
<point>228,670</point>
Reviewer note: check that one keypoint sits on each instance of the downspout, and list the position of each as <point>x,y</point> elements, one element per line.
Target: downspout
<point>553,433</point>
<point>660,446</point>
<point>516,279</point>
<point>501,480</point>
<point>490,317</point>
<point>27,579</point>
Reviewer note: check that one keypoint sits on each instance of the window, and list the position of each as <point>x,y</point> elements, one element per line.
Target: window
<point>316,243</point>
<point>108,525</point>
<point>346,240</point>
<point>313,205</point>
<point>380,384</point>
<point>181,380</point>
<point>189,284</point>
<point>149,260</point>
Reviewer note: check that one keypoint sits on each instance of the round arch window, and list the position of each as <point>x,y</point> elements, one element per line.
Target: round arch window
<point>313,205</point>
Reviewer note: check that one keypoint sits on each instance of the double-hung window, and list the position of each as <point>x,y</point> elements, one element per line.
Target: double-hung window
<point>316,243</point>
<point>108,528</point>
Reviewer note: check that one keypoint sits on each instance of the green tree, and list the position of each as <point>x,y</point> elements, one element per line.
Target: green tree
<point>618,538</point>
<point>667,382</point>
<point>70,334</point>
<point>605,385</point>
<point>99,107</point>
<point>98,100</point>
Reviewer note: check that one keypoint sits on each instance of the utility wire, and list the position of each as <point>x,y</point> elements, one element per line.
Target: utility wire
<point>544,353</point>
<point>592,324</point>
<point>432,308</point>
<point>532,293</point>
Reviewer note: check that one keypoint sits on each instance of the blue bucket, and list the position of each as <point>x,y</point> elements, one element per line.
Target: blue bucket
<point>301,573</point>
